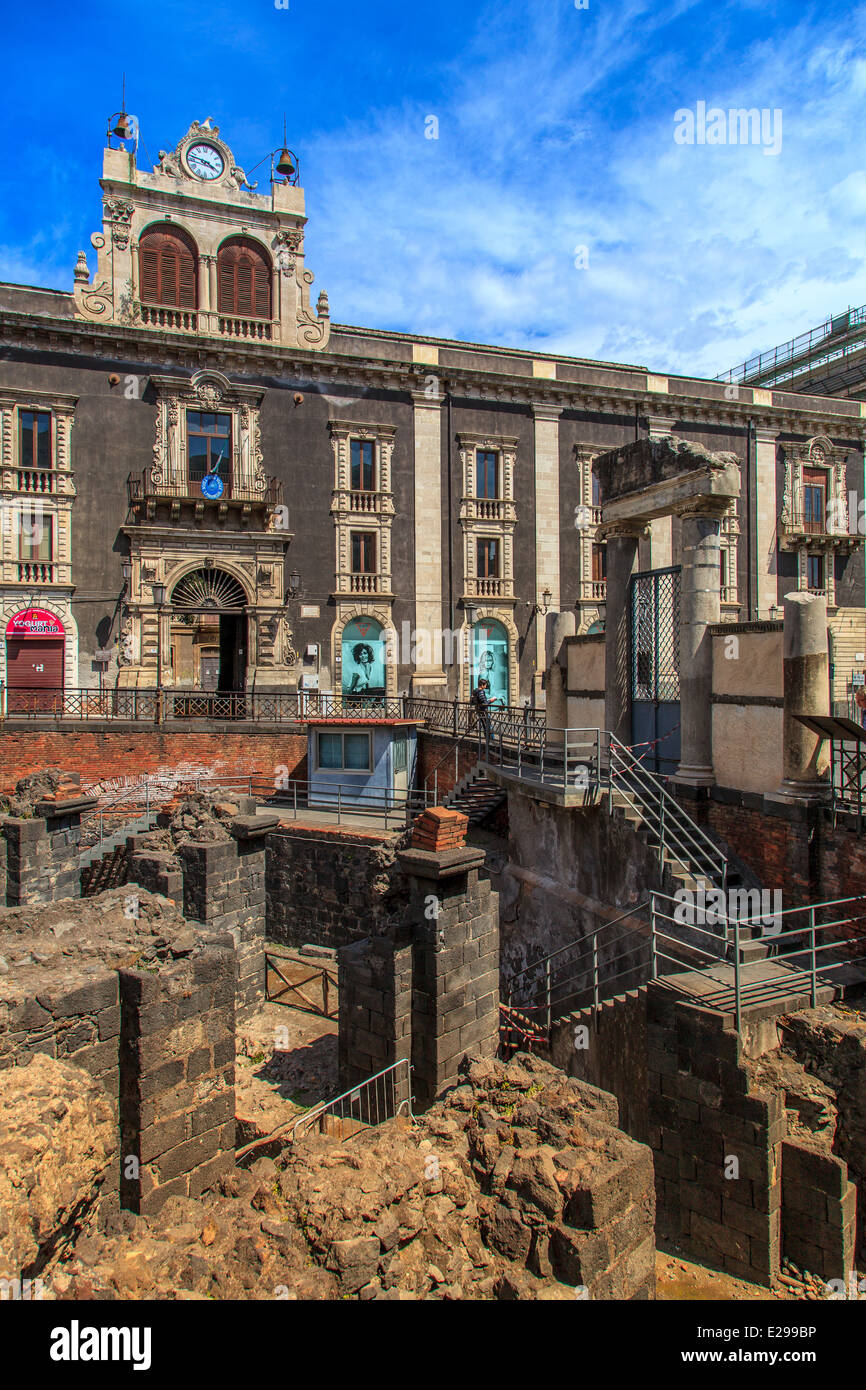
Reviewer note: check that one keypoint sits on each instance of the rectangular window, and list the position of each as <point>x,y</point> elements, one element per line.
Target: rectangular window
<point>486,473</point>
<point>35,438</point>
<point>599,563</point>
<point>340,752</point>
<point>487,553</point>
<point>814,499</point>
<point>35,535</point>
<point>363,552</point>
<point>596,491</point>
<point>363,466</point>
<point>209,449</point>
<point>815,571</point>
<point>723,569</point>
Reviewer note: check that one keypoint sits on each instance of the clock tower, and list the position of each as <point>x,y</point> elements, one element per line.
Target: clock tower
<point>193,248</point>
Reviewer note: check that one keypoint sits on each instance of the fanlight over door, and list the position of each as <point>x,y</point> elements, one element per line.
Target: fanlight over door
<point>209,589</point>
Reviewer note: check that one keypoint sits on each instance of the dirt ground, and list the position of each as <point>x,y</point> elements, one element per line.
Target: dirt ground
<point>286,1062</point>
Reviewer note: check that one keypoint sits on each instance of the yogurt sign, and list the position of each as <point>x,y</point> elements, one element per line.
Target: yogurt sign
<point>34,622</point>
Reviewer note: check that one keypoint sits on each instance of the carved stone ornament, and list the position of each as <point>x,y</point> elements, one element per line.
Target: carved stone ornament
<point>175,167</point>
<point>118,212</point>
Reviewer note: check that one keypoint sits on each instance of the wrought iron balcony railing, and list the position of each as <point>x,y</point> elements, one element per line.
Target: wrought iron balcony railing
<point>153,484</point>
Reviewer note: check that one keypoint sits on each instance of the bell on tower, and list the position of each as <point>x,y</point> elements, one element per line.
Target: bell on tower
<point>119,125</point>
<point>287,164</point>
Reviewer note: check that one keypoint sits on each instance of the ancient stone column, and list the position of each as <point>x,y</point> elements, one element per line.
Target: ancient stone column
<point>806,668</point>
<point>622,555</point>
<point>700,605</point>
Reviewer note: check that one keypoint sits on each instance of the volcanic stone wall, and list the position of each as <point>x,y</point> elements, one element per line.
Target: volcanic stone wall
<point>177,1074</point>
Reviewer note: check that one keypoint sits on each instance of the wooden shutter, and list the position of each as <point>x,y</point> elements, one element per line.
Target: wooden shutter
<point>244,280</point>
<point>167,269</point>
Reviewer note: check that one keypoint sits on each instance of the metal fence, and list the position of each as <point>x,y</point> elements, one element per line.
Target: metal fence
<point>382,1097</point>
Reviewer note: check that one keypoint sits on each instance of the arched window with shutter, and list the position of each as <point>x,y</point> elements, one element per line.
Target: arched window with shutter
<point>168,268</point>
<point>244,279</point>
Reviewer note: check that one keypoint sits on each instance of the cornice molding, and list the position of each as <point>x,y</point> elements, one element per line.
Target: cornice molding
<point>121,343</point>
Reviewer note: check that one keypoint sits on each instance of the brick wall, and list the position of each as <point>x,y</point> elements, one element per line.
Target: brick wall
<point>330,887</point>
<point>432,751</point>
<point>795,848</point>
<point>124,753</point>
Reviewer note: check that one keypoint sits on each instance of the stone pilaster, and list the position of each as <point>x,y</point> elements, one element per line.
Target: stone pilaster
<point>454,925</point>
<point>547,522</point>
<point>767,520</point>
<point>428,538</point>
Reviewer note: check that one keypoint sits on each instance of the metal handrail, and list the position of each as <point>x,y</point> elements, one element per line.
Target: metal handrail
<point>362,1095</point>
<point>675,826</point>
<point>552,955</point>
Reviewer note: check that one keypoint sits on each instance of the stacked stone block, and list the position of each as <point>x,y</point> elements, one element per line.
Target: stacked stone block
<point>454,921</point>
<point>177,1099</point>
<point>152,871</point>
<point>42,853</point>
<point>716,1146</point>
<point>330,887</point>
<point>375,1010</point>
<point>819,1212</point>
<point>224,888</point>
<point>605,1241</point>
<point>77,1019</point>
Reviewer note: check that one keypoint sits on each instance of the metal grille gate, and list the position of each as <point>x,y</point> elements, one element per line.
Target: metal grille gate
<point>654,666</point>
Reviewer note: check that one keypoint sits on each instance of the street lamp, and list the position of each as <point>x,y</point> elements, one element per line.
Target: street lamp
<point>126,571</point>
<point>294,585</point>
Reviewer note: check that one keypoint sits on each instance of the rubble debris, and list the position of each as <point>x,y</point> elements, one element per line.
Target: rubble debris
<point>57,1143</point>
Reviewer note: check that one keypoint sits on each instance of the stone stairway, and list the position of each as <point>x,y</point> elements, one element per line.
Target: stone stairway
<point>103,865</point>
<point>476,796</point>
<point>683,872</point>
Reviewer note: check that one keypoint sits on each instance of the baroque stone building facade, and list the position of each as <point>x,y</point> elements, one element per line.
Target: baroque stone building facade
<point>207,483</point>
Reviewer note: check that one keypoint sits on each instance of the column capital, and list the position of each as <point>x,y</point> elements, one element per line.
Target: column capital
<point>622,530</point>
<point>421,398</point>
<point>766,434</point>
<point>659,426</point>
<point>543,410</point>
<point>704,509</point>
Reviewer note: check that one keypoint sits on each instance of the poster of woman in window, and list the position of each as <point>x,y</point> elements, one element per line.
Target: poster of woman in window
<point>491,659</point>
<point>363,653</point>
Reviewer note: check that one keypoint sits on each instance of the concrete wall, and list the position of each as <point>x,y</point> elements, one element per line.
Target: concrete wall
<point>747,706</point>
<point>584,686</point>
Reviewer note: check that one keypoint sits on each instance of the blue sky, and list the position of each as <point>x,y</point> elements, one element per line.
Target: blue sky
<point>555,131</point>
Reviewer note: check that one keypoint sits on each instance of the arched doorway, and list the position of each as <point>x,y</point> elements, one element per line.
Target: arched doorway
<point>490,657</point>
<point>35,651</point>
<point>209,631</point>
<point>362,659</point>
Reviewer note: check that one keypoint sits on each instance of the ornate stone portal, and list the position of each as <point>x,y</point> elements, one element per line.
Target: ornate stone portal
<point>218,545</point>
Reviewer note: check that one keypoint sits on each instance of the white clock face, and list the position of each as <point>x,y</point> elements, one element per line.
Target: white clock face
<point>204,161</point>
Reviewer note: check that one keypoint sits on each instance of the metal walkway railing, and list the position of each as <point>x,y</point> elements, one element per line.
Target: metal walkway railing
<point>700,951</point>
